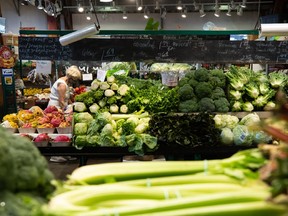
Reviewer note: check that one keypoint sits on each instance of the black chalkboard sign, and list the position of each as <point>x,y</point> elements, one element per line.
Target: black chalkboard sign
<point>42,48</point>
<point>156,50</point>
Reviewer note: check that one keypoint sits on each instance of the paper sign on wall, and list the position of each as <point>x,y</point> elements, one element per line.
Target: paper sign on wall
<point>87,77</point>
<point>43,67</point>
<point>101,74</point>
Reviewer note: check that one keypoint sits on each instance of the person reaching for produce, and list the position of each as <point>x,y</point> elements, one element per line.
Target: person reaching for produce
<point>60,93</point>
<point>60,98</point>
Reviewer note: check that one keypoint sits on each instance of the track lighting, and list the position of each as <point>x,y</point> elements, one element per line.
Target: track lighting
<point>24,2</point>
<point>201,11</point>
<point>229,11</point>
<point>239,11</point>
<point>217,9</point>
<point>179,6</point>
<point>232,4</point>
<point>157,7</point>
<point>124,15</point>
<point>163,13</point>
<point>139,5</point>
<point>184,13</point>
<point>88,15</point>
<point>243,4</point>
<point>40,6</point>
<point>80,8</point>
<point>146,13</point>
<point>196,7</point>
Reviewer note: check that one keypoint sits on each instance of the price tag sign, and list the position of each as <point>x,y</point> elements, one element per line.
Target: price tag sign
<point>87,77</point>
<point>101,74</point>
<point>43,67</point>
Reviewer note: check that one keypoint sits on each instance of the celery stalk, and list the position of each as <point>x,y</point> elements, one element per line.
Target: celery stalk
<point>189,203</point>
<point>257,208</point>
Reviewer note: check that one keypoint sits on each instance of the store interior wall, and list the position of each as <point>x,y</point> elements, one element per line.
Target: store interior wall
<point>30,16</point>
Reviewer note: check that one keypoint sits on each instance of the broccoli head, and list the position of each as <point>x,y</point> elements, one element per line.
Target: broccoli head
<point>203,89</point>
<point>218,93</point>
<point>219,74</point>
<point>186,92</point>
<point>206,105</point>
<point>23,168</point>
<point>201,75</point>
<point>222,105</point>
<point>188,106</point>
<point>190,75</point>
<point>193,83</point>
<point>183,81</point>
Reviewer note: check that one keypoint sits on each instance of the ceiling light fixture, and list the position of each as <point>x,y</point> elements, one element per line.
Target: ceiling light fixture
<point>229,11</point>
<point>184,13</point>
<point>40,6</point>
<point>163,13</point>
<point>124,15</point>
<point>179,6</point>
<point>243,4</point>
<point>80,8</point>
<point>146,13</point>
<point>232,4</point>
<point>239,11</point>
<point>217,9</point>
<point>157,6</point>
<point>196,7</point>
<point>24,2</point>
<point>139,5</point>
<point>201,11</point>
<point>88,15</point>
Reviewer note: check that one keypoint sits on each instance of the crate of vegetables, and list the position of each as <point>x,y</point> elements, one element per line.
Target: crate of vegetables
<point>61,141</point>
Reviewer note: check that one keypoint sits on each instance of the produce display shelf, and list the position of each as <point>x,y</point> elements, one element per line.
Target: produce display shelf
<point>170,153</point>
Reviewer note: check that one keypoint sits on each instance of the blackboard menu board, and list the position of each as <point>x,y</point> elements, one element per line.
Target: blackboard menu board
<point>43,48</point>
<point>156,50</point>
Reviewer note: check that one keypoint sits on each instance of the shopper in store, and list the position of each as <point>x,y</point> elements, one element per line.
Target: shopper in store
<point>60,93</point>
<point>60,97</point>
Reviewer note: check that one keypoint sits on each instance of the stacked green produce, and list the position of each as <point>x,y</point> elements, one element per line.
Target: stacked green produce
<point>240,132</point>
<point>25,180</point>
<point>189,130</point>
<point>214,187</point>
<point>203,90</point>
<point>249,90</point>
<point>114,130</point>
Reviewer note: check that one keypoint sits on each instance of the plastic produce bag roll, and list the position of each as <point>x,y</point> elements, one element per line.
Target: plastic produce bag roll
<point>276,29</point>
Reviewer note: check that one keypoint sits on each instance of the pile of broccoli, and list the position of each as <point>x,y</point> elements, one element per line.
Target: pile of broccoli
<point>203,90</point>
<point>25,180</point>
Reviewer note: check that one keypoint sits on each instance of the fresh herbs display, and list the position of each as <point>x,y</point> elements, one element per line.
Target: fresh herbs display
<point>186,130</point>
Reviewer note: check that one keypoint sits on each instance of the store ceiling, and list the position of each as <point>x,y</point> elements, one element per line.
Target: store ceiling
<point>170,5</point>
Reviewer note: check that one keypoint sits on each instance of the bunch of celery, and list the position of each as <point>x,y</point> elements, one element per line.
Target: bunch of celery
<point>167,188</point>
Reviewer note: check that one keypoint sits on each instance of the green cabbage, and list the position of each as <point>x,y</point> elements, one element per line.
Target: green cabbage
<point>227,136</point>
<point>242,136</point>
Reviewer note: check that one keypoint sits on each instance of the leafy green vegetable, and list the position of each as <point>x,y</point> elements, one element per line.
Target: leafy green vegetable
<point>187,130</point>
<point>83,117</point>
<point>186,92</point>
<point>227,136</point>
<point>277,79</point>
<point>242,135</point>
<point>80,107</point>
<point>247,106</point>
<point>252,89</point>
<point>203,89</point>
<point>221,105</point>
<point>80,128</point>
